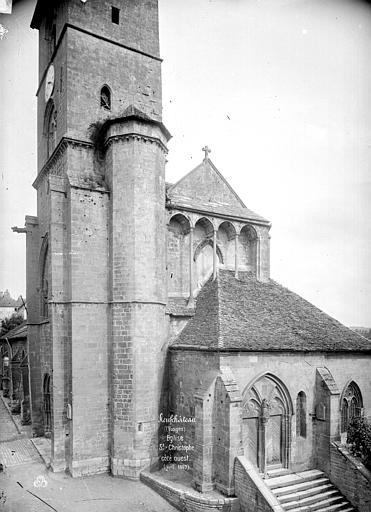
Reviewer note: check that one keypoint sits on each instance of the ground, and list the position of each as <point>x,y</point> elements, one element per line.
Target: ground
<point>26,485</point>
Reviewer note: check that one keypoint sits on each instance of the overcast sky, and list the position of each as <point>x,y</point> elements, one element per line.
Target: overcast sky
<point>280,90</point>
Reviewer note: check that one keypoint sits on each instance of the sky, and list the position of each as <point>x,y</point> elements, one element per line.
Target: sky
<point>280,90</point>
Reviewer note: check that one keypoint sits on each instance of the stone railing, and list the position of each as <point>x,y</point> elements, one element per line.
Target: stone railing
<point>351,477</point>
<point>251,490</point>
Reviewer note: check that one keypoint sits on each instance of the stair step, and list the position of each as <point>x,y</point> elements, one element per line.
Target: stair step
<point>337,508</point>
<point>320,506</point>
<point>293,478</point>
<point>312,501</point>
<point>274,472</point>
<point>307,493</point>
<point>311,484</point>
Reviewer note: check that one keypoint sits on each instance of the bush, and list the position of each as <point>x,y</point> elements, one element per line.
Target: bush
<point>359,439</point>
<point>9,323</point>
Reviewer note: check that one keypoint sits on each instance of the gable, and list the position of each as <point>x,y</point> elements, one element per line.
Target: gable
<point>205,185</point>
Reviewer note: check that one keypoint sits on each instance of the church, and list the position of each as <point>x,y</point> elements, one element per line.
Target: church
<point>151,302</point>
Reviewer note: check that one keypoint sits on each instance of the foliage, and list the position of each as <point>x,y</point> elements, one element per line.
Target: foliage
<point>359,438</point>
<point>96,133</point>
<point>9,323</point>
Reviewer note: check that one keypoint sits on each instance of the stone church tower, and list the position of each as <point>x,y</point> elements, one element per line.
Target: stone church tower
<point>96,250</point>
<point>149,298</point>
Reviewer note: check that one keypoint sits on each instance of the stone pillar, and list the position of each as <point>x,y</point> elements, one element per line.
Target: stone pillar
<point>33,329</point>
<point>191,298</point>
<point>203,445</point>
<point>227,430</point>
<point>135,159</point>
<point>214,254</point>
<point>258,259</point>
<point>236,256</point>
<point>57,319</point>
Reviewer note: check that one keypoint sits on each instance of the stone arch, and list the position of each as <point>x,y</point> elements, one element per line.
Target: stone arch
<point>247,248</point>
<point>203,246</point>
<point>226,235</point>
<point>351,404</point>
<point>105,97</point>
<point>267,413</point>
<point>47,410</point>
<point>178,250</point>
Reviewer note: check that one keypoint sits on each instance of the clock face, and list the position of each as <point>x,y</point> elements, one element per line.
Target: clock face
<point>49,82</point>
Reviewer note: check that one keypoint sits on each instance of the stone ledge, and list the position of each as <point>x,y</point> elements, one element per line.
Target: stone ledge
<point>190,500</point>
<point>353,461</point>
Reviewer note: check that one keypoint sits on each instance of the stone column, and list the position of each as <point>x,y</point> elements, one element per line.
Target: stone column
<point>214,254</point>
<point>236,256</point>
<point>258,273</point>
<point>191,300</point>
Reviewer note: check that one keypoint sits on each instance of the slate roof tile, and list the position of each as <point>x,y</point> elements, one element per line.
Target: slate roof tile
<point>246,314</point>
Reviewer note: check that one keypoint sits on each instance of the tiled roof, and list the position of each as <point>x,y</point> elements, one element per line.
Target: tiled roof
<point>18,332</point>
<point>246,314</point>
<point>187,203</point>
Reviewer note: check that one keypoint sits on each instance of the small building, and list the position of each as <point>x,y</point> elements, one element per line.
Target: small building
<point>14,373</point>
<point>10,306</point>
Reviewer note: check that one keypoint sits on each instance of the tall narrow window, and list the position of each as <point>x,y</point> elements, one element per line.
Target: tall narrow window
<point>351,405</point>
<point>105,97</point>
<point>115,15</point>
<point>301,415</point>
<point>54,37</point>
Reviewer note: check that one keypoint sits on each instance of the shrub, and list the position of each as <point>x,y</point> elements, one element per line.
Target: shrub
<point>9,323</point>
<point>359,439</point>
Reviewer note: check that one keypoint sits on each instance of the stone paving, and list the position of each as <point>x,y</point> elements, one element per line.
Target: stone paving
<point>26,485</point>
<point>19,451</point>
<point>8,429</point>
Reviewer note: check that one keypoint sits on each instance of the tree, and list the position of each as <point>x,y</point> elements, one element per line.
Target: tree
<point>359,438</point>
<point>9,323</point>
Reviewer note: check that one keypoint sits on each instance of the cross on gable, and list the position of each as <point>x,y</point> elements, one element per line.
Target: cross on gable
<point>206,150</point>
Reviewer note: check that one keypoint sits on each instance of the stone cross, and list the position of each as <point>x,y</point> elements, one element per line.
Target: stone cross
<point>206,150</point>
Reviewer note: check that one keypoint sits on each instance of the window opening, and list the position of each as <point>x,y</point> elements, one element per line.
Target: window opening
<point>105,98</point>
<point>115,15</point>
<point>301,415</point>
<point>351,405</point>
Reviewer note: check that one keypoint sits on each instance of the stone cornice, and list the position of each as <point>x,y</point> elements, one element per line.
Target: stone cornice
<point>136,136</point>
<point>56,155</point>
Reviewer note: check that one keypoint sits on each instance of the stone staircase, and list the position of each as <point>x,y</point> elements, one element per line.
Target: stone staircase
<point>306,492</point>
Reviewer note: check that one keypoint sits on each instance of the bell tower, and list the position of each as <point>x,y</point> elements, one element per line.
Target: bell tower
<point>101,209</point>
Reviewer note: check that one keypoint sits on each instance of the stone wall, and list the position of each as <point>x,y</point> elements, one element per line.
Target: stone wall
<point>252,492</point>
<point>192,373</point>
<point>351,477</point>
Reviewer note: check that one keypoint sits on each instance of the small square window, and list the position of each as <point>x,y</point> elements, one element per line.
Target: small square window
<point>115,15</point>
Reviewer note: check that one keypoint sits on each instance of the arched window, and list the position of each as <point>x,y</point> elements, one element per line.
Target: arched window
<point>105,97</point>
<point>267,411</point>
<point>301,414</point>
<point>50,128</point>
<point>351,405</point>
<point>47,404</point>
